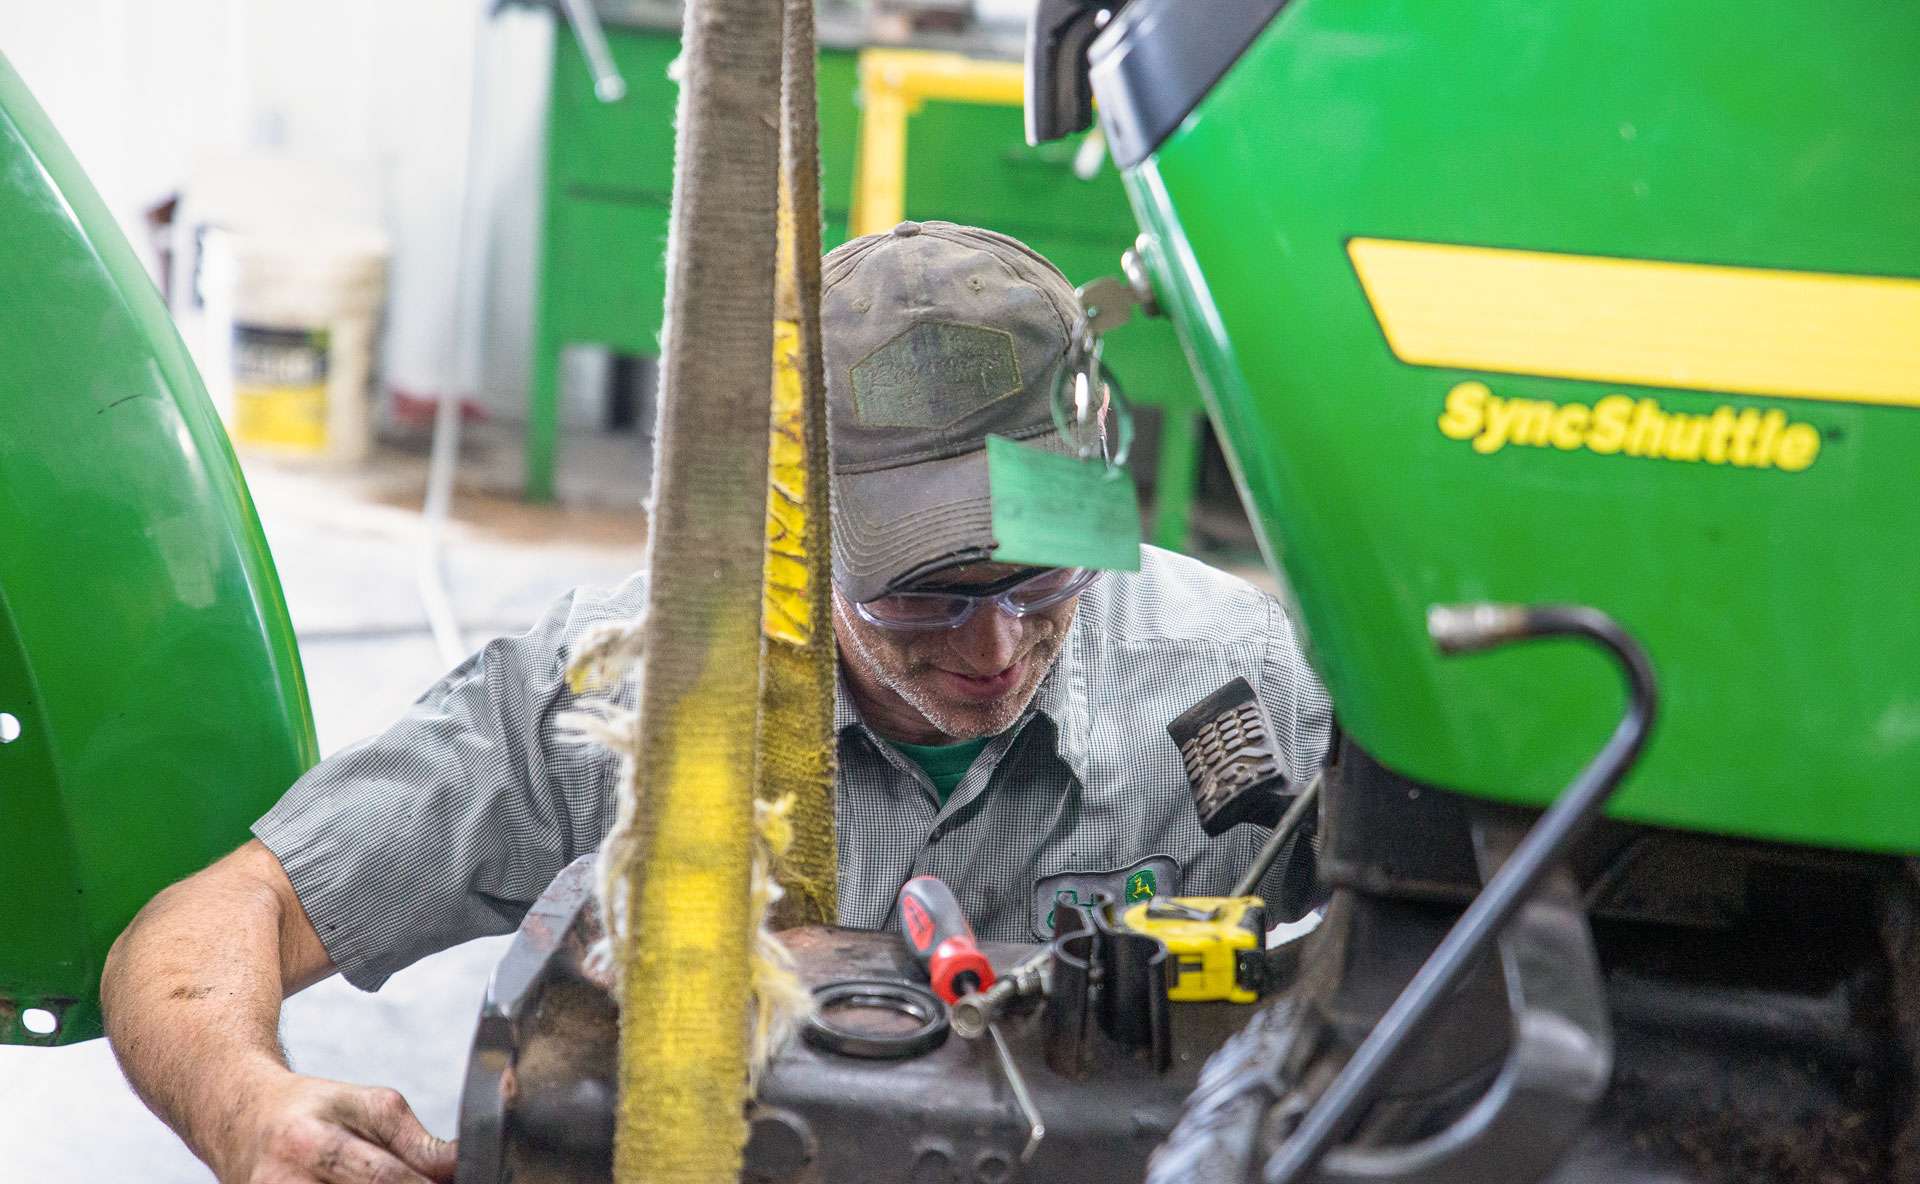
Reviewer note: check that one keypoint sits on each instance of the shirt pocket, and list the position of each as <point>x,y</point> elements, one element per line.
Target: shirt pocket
<point>1124,884</point>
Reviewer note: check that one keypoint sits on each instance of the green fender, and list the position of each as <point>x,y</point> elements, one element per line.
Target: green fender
<point>149,676</point>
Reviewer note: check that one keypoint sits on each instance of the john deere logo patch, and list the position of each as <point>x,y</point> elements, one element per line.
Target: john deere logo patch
<point>1141,885</point>
<point>1129,884</point>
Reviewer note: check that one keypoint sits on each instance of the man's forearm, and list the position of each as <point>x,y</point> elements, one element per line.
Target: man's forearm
<point>192,994</point>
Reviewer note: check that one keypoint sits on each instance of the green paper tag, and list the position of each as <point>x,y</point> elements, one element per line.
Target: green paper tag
<point>1051,510</point>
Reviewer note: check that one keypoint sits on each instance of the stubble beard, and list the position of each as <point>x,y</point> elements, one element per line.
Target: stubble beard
<point>908,677</point>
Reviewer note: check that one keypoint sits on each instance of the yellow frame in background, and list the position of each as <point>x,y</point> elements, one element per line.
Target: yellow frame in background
<point>894,83</point>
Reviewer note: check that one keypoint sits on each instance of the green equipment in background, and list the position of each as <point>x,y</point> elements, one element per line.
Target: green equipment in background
<point>1615,304</point>
<point>609,183</point>
<point>151,698</point>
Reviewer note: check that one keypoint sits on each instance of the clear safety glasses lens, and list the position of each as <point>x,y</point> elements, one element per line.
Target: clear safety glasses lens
<point>948,610</point>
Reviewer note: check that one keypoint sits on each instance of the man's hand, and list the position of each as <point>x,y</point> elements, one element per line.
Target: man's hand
<point>192,995</point>
<point>302,1130</point>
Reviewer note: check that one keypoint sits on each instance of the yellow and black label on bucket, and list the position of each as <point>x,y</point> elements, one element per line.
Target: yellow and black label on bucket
<point>280,388</point>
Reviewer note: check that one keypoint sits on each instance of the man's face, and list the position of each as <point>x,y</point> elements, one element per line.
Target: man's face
<point>944,685</point>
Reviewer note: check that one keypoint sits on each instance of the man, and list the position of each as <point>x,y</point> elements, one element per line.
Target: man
<point>1001,727</point>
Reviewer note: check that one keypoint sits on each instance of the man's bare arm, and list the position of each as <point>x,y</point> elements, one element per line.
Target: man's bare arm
<point>192,994</point>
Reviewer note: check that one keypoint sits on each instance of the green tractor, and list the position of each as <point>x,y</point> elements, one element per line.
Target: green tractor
<point>1548,345</point>
<point>1614,306</point>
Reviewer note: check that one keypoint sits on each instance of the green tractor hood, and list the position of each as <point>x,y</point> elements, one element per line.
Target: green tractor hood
<point>1614,304</point>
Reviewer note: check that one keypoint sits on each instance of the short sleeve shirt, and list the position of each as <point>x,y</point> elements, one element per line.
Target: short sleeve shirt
<point>452,822</point>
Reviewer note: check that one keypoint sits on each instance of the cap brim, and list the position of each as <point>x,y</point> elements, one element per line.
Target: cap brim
<point>893,526</point>
<point>897,524</point>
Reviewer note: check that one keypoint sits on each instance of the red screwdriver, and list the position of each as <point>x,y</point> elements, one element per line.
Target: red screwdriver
<point>939,936</point>
<point>937,932</point>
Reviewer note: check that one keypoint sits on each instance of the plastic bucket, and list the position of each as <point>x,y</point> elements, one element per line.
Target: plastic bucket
<point>293,325</point>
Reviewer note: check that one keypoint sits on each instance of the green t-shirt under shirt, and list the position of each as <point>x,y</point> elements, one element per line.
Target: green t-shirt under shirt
<point>944,764</point>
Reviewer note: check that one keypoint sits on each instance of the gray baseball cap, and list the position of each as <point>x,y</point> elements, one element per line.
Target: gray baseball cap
<point>935,336</point>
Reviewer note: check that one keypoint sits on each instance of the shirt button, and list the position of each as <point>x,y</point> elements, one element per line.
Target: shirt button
<point>939,832</point>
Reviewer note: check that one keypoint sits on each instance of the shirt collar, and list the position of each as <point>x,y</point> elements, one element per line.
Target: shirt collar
<point>1063,696</point>
<point>845,714</point>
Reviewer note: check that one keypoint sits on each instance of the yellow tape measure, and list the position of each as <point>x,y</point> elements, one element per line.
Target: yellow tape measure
<point>1214,942</point>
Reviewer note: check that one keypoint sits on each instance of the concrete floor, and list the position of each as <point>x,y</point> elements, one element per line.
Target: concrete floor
<point>347,546</point>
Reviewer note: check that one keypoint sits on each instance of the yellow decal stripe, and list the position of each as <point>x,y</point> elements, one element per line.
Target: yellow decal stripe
<point>1741,330</point>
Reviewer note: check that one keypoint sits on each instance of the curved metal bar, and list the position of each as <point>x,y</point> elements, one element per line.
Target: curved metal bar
<point>1463,629</point>
<point>1558,1066</point>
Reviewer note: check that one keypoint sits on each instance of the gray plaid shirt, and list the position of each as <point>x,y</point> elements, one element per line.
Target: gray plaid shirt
<point>448,825</point>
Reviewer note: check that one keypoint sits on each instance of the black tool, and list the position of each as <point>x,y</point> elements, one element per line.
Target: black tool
<point>1232,761</point>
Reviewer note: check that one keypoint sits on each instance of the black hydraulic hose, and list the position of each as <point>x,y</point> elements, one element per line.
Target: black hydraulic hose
<point>1462,629</point>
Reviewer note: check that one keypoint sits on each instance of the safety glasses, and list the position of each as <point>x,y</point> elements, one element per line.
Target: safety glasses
<point>1018,595</point>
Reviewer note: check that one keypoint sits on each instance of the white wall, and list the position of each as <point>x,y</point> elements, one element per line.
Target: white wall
<point>140,89</point>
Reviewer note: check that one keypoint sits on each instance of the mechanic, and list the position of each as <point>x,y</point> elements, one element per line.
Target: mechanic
<point>1000,727</point>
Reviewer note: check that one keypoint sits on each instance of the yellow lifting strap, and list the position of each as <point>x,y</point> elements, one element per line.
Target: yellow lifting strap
<point>795,742</point>
<point>736,659</point>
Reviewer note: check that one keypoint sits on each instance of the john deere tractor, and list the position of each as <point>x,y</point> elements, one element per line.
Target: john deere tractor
<point>1590,321</point>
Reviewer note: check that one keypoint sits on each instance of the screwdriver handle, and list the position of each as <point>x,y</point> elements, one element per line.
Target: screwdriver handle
<point>941,940</point>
